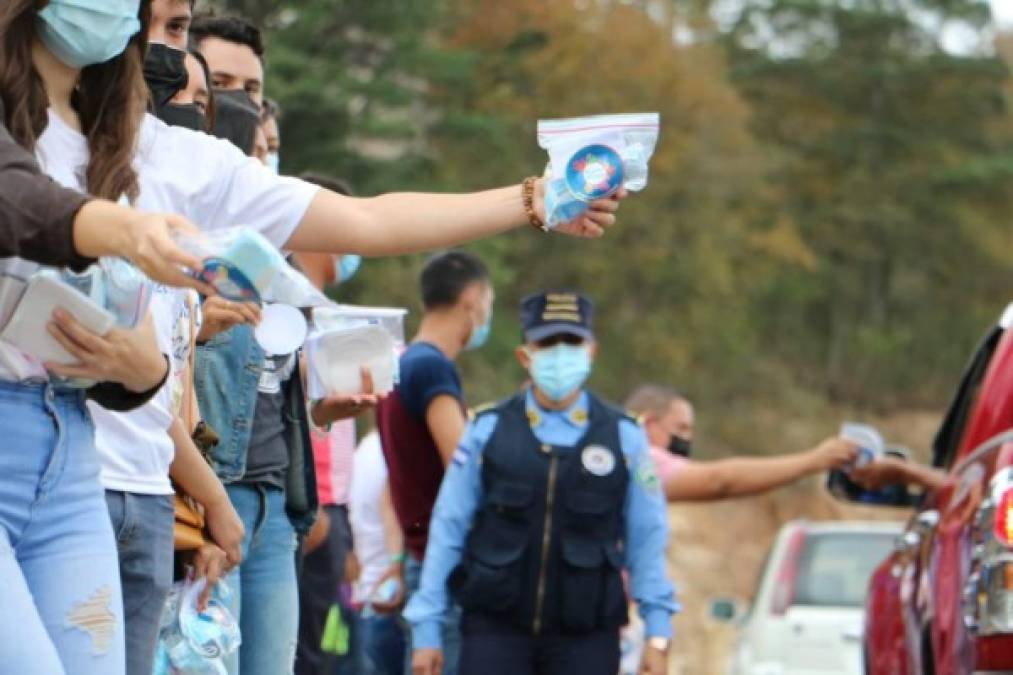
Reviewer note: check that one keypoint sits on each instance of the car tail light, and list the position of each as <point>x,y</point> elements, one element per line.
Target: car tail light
<point>988,594</point>
<point>1004,517</point>
<point>787,574</point>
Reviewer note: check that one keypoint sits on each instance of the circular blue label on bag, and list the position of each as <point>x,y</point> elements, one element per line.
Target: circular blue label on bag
<point>594,172</point>
<point>230,283</point>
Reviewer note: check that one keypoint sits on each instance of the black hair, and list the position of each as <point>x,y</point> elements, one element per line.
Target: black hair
<point>446,275</point>
<point>331,183</point>
<point>229,28</point>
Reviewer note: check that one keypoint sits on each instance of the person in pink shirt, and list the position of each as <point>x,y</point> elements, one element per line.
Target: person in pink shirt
<point>668,418</point>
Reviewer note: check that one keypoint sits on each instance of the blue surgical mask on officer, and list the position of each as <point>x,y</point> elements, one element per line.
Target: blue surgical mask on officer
<point>560,370</point>
<point>83,33</point>
<point>345,266</point>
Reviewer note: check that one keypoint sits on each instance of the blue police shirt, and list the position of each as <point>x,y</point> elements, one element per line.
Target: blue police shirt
<point>646,526</point>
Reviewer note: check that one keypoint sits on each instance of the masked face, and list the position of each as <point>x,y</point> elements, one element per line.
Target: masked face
<point>165,72</point>
<point>274,164</point>
<point>237,118</point>
<point>480,334</point>
<point>677,425</point>
<point>83,33</point>
<point>346,265</point>
<point>680,446</point>
<point>560,370</point>
<point>186,115</point>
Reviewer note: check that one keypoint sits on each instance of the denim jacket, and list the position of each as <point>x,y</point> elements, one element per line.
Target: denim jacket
<point>226,377</point>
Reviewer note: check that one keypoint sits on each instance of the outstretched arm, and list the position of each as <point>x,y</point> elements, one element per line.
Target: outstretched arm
<point>398,223</point>
<point>890,470</point>
<point>747,476</point>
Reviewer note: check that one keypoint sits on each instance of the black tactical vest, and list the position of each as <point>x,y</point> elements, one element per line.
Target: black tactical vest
<point>546,549</point>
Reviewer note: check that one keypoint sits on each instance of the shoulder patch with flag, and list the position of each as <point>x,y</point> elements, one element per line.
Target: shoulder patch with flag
<point>647,476</point>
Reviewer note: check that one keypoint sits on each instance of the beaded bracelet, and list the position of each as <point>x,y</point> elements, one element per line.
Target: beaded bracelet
<point>528,196</point>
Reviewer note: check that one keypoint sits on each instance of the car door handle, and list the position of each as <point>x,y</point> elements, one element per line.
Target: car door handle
<point>852,635</point>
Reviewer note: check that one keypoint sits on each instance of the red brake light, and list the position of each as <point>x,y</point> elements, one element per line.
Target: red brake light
<point>787,575</point>
<point>1004,518</point>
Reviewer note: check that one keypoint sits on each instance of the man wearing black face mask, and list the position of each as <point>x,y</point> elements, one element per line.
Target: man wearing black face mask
<point>172,73</point>
<point>178,82</point>
<point>668,418</point>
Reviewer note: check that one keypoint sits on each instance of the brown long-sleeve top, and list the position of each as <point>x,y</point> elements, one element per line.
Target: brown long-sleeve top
<point>37,224</point>
<point>36,214</point>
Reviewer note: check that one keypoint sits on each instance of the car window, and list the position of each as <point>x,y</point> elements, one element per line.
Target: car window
<point>835,567</point>
<point>947,441</point>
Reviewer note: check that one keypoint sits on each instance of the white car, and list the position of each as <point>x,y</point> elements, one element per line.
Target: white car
<point>806,616</point>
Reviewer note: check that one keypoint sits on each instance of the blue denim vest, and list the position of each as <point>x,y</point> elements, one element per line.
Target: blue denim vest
<point>226,377</point>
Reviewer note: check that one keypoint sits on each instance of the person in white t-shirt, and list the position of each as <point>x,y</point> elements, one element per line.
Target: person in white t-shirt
<point>58,562</point>
<point>204,179</point>
<point>378,544</point>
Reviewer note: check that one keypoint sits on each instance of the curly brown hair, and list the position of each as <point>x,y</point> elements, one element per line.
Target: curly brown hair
<point>110,100</point>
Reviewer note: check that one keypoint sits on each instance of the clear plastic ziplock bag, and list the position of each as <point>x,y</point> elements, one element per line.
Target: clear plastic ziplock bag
<point>243,266</point>
<point>590,158</point>
<point>192,642</point>
<point>117,286</point>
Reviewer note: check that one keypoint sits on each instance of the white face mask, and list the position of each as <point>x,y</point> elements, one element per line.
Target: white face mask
<point>273,162</point>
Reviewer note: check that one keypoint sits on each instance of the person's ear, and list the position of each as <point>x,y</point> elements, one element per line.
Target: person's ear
<point>592,348</point>
<point>523,357</point>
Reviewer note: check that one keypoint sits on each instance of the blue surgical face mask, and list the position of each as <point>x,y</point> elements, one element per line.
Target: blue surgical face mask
<point>480,335</point>
<point>274,164</point>
<point>561,370</point>
<point>346,266</point>
<point>83,33</point>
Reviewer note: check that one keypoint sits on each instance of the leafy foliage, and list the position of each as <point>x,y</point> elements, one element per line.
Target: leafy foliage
<point>826,213</point>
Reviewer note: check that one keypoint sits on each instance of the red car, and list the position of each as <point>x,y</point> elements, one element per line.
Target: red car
<point>942,602</point>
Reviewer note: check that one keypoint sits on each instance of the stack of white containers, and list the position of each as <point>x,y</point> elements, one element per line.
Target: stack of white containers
<point>347,339</point>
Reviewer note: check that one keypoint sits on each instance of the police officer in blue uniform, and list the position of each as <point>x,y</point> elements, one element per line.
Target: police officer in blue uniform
<point>549,497</point>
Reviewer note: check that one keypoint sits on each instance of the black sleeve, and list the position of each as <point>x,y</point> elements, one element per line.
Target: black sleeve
<point>36,214</point>
<point>114,396</point>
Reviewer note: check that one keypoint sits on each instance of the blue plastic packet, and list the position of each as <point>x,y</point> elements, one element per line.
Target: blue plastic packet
<point>192,642</point>
<point>591,158</point>
<point>243,266</point>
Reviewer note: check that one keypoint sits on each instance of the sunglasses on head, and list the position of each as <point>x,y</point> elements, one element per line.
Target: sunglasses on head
<point>560,339</point>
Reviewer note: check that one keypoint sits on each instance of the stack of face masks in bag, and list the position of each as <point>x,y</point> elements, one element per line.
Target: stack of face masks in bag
<point>111,293</point>
<point>192,642</point>
<point>243,266</point>
<point>591,158</point>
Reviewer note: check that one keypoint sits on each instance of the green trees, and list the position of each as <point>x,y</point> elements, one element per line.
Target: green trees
<point>892,154</point>
<point>827,212</point>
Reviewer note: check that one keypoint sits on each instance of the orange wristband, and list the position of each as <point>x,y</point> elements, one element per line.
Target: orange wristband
<point>528,195</point>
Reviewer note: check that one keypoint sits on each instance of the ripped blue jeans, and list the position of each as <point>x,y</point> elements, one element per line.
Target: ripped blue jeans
<point>59,579</point>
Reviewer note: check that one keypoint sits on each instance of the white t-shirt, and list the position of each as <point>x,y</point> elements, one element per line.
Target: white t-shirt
<point>364,514</point>
<point>212,183</point>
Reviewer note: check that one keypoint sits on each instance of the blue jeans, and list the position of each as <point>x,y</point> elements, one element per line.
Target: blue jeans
<point>380,644</point>
<point>451,633</point>
<point>60,594</point>
<point>265,596</point>
<point>143,526</point>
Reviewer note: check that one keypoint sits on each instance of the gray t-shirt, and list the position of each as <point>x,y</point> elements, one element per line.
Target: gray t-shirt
<point>267,457</point>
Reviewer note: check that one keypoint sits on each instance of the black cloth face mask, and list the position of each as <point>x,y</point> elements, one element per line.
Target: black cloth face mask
<point>186,115</point>
<point>165,73</point>
<point>680,446</point>
<point>237,117</point>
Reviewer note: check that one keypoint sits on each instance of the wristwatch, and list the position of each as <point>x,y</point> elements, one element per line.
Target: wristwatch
<point>659,643</point>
